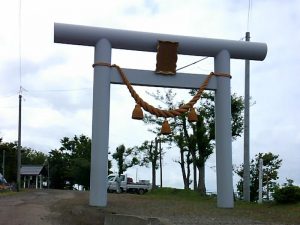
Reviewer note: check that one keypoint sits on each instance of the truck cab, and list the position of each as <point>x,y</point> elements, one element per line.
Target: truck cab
<point>112,182</point>
<point>127,184</point>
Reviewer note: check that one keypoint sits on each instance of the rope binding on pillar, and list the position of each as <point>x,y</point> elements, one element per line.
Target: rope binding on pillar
<point>140,103</point>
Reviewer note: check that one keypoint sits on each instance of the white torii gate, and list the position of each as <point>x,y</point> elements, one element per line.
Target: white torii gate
<point>104,39</point>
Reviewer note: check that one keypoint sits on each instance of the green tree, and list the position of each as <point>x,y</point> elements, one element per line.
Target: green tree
<point>125,158</point>
<point>149,153</point>
<point>271,165</point>
<point>109,166</point>
<point>79,150</point>
<point>70,164</point>
<point>10,149</point>
<point>203,131</point>
<point>288,193</point>
<point>196,140</point>
<point>185,159</point>
<point>59,164</point>
<point>28,157</point>
<point>32,157</point>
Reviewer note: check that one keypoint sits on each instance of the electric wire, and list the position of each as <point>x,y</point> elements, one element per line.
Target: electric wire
<point>192,63</point>
<point>60,90</point>
<point>9,95</point>
<point>8,107</point>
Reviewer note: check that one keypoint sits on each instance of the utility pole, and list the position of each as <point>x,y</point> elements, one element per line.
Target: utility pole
<point>48,178</point>
<point>46,162</point>
<point>3,164</point>
<point>260,179</point>
<point>160,164</point>
<point>246,175</point>
<point>19,145</point>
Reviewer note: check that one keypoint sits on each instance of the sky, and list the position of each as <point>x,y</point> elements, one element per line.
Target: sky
<point>57,79</point>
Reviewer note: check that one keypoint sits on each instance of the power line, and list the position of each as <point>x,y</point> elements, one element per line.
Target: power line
<point>59,90</point>
<point>8,107</point>
<point>241,39</point>
<point>192,63</point>
<point>45,91</point>
<point>8,96</point>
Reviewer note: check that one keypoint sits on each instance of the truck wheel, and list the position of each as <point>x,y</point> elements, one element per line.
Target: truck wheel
<point>141,191</point>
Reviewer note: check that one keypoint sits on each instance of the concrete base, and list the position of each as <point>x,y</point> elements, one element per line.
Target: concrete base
<point>117,219</point>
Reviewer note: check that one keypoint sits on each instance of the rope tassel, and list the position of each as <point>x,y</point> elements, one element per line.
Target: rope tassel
<point>192,115</point>
<point>137,113</point>
<point>165,128</point>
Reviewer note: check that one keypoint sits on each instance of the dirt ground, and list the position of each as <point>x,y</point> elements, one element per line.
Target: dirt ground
<point>48,207</point>
<point>59,207</point>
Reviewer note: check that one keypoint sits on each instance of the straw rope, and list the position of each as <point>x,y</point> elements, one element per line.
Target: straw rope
<point>159,112</point>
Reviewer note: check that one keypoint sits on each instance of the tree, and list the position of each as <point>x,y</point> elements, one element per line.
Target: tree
<point>79,150</point>
<point>32,157</point>
<point>185,159</point>
<point>167,99</point>
<point>29,156</point>
<point>59,162</point>
<point>196,140</point>
<point>149,153</point>
<point>109,166</point>
<point>70,164</point>
<point>204,130</point>
<point>271,165</point>
<point>10,149</point>
<point>125,158</point>
<point>288,193</point>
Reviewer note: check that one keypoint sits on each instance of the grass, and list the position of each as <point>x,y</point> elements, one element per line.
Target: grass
<point>193,202</point>
<point>7,193</point>
<point>177,193</point>
<point>11,192</point>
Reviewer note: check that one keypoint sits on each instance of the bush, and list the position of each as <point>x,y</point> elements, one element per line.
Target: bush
<point>287,194</point>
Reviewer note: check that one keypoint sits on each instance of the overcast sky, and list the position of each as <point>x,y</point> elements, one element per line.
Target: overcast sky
<point>57,79</point>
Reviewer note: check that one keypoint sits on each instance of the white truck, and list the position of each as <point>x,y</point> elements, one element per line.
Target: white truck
<point>127,184</point>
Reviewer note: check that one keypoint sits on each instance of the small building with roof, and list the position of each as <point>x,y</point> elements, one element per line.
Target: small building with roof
<point>32,176</point>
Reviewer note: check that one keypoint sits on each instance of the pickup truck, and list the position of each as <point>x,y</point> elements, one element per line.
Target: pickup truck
<point>127,184</point>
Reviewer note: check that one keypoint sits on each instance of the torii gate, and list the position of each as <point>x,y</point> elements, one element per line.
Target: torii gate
<point>104,39</point>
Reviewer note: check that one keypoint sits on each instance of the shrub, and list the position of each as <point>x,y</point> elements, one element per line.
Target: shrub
<point>287,194</point>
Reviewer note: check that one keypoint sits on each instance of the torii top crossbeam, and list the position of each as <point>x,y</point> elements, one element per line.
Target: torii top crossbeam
<point>143,41</point>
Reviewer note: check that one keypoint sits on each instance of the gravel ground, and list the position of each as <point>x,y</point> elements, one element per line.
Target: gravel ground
<point>52,207</point>
<point>30,208</point>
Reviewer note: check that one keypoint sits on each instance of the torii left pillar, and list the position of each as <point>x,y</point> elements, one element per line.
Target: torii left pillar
<point>100,124</point>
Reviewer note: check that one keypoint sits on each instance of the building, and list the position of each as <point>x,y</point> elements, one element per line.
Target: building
<point>32,176</point>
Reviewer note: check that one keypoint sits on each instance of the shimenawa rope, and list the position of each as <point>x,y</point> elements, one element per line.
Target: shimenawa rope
<point>159,112</point>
